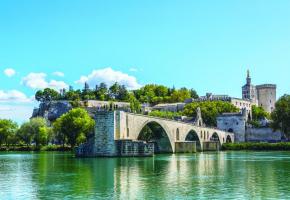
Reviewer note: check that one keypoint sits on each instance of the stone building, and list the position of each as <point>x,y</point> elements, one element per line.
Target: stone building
<point>234,123</point>
<point>171,107</point>
<point>267,96</point>
<point>261,95</point>
<point>244,132</point>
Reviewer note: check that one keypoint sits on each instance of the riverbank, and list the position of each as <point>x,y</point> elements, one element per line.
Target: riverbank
<point>262,146</point>
<point>34,148</point>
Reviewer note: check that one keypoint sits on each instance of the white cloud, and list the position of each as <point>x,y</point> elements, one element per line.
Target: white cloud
<point>9,72</point>
<point>16,112</point>
<point>13,96</point>
<point>133,69</point>
<point>59,74</point>
<point>38,81</point>
<point>109,76</point>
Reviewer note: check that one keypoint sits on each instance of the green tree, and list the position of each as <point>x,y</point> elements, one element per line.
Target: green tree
<point>75,126</point>
<point>47,94</point>
<point>165,114</point>
<point>135,105</point>
<point>180,95</point>
<point>259,113</point>
<point>101,92</point>
<point>209,110</point>
<point>36,130</point>
<point>8,130</point>
<point>193,94</point>
<point>281,115</point>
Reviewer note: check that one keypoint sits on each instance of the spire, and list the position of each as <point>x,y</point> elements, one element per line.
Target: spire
<point>248,78</point>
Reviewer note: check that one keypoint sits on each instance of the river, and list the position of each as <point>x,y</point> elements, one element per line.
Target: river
<point>219,175</point>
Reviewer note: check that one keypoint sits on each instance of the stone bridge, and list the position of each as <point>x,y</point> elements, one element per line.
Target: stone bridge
<point>130,126</point>
<point>168,136</point>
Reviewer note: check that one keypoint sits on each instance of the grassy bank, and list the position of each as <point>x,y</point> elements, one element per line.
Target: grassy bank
<point>282,146</point>
<point>34,148</point>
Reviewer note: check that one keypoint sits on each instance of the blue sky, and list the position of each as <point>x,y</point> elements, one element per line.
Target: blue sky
<point>207,45</point>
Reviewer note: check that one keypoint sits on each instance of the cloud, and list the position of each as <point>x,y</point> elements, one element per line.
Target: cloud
<point>38,81</point>
<point>109,76</point>
<point>9,72</point>
<point>14,96</point>
<point>59,74</point>
<point>133,69</point>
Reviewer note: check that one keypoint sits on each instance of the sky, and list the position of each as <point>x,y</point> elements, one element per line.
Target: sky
<point>206,45</point>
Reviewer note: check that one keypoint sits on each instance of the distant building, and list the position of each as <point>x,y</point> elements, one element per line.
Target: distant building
<point>261,95</point>
<point>172,107</point>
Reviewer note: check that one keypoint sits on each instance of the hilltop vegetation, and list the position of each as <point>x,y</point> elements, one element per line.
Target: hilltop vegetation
<point>151,93</point>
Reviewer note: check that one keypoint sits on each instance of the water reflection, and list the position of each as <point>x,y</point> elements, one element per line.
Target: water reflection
<point>223,175</point>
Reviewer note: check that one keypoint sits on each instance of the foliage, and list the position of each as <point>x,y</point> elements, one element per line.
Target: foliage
<point>282,146</point>
<point>209,110</point>
<point>259,113</point>
<point>281,115</point>
<point>74,126</point>
<point>155,94</point>
<point>36,130</point>
<point>8,130</point>
<point>164,114</point>
<point>47,94</point>
<point>151,132</point>
<point>135,105</point>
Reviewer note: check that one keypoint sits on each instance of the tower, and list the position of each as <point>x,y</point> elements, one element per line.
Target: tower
<point>249,91</point>
<point>267,96</point>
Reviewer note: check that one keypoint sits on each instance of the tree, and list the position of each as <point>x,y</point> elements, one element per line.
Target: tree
<point>259,113</point>
<point>281,115</point>
<point>209,110</point>
<point>193,94</point>
<point>180,95</point>
<point>135,105</point>
<point>47,94</point>
<point>8,130</point>
<point>75,126</point>
<point>35,130</point>
<point>101,92</point>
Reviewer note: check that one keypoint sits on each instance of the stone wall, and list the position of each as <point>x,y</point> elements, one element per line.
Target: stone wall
<point>234,123</point>
<point>262,135</point>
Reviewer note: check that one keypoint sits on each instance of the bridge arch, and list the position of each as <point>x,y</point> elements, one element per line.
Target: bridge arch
<point>216,138</point>
<point>229,139</point>
<point>157,133</point>
<point>193,136</point>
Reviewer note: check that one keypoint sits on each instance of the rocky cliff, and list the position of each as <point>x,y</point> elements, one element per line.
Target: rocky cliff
<point>52,110</point>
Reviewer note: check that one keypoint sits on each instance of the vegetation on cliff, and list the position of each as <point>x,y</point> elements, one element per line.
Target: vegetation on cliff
<point>151,93</point>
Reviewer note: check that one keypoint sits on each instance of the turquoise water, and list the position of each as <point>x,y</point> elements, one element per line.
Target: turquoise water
<point>223,175</point>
